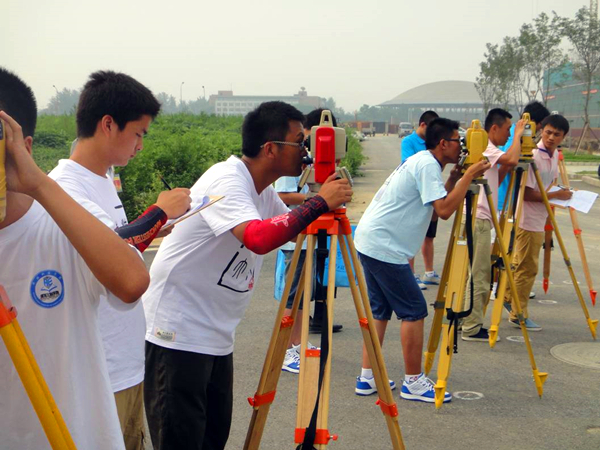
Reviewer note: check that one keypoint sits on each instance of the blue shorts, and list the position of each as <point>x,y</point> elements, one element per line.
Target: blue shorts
<point>392,287</point>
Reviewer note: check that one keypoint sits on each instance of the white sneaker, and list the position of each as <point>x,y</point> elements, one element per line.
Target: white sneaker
<point>431,279</point>
<point>291,362</point>
<point>421,390</point>
<point>420,283</point>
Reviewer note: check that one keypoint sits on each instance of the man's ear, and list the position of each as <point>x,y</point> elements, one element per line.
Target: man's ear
<point>107,125</point>
<point>269,150</point>
<point>29,144</point>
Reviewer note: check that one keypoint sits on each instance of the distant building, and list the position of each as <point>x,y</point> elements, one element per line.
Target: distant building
<point>456,100</point>
<point>227,104</point>
<point>566,96</point>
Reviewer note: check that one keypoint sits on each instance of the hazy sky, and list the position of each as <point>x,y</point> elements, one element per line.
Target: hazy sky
<point>354,51</point>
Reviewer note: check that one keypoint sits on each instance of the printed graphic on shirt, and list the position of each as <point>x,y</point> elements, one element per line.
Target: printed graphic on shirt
<point>47,289</point>
<point>239,273</point>
<point>165,335</point>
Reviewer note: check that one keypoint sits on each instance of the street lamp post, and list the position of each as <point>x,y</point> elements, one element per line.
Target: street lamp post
<point>203,93</point>
<point>181,93</point>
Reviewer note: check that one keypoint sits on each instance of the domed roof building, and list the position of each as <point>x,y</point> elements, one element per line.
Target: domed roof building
<point>454,99</point>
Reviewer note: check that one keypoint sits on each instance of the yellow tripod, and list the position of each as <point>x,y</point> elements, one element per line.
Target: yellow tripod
<point>519,178</point>
<point>314,381</point>
<point>52,421</point>
<point>450,297</point>
<point>577,229</point>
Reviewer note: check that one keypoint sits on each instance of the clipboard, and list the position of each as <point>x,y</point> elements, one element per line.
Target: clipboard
<point>206,202</point>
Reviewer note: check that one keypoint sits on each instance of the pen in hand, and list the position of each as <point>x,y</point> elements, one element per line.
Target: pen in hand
<point>164,182</point>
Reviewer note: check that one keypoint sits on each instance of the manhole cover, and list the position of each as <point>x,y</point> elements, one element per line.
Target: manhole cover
<point>584,354</point>
<point>516,339</point>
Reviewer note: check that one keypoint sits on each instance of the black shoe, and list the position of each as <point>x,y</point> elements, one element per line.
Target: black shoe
<point>315,327</point>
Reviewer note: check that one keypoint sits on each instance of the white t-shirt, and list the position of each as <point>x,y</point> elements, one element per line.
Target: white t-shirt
<point>202,277</point>
<point>57,298</point>
<point>122,331</point>
<point>394,225</point>
<point>493,154</point>
<point>290,185</point>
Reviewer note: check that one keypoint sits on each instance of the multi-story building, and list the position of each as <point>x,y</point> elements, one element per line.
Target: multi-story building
<point>227,104</point>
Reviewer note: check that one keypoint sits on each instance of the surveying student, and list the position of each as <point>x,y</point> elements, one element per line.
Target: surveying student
<point>51,245</point>
<point>204,273</point>
<point>409,146</point>
<point>530,231</point>
<point>498,126</point>
<point>287,189</point>
<point>390,232</point>
<point>113,116</point>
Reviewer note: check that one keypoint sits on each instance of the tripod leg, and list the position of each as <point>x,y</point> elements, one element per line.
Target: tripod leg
<point>436,324</point>
<point>261,402</point>
<point>371,340</point>
<point>578,235</point>
<point>29,372</point>
<point>591,323</point>
<point>310,361</point>
<point>538,377</point>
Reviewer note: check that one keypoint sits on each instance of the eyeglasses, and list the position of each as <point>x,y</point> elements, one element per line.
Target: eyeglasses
<point>301,145</point>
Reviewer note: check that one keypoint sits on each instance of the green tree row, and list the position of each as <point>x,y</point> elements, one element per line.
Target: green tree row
<point>178,147</point>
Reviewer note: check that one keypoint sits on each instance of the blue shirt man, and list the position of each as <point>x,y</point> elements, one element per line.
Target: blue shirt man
<point>410,145</point>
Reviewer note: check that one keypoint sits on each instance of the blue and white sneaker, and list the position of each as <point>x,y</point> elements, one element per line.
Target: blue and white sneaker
<point>291,362</point>
<point>421,390</point>
<point>420,283</point>
<point>366,386</point>
<point>431,279</point>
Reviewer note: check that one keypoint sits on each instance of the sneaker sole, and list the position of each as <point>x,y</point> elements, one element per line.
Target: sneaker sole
<point>364,392</point>
<point>290,370</point>
<point>533,330</point>
<point>418,398</point>
<point>431,283</point>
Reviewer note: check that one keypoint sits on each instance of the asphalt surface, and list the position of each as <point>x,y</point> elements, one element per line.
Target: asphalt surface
<point>504,412</point>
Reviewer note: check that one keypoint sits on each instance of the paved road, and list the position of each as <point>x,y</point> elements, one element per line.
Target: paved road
<point>508,416</point>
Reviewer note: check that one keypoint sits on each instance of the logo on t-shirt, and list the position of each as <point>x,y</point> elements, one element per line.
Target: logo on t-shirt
<point>238,276</point>
<point>48,289</point>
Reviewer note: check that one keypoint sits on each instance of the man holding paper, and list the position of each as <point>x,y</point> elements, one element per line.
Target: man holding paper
<point>530,231</point>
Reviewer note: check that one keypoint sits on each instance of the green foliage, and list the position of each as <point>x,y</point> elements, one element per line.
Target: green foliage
<point>180,147</point>
<point>354,159</point>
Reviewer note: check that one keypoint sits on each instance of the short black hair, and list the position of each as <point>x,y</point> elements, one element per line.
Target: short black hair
<point>313,118</point>
<point>117,95</point>
<point>439,129</point>
<point>18,101</point>
<point>427,117</point>
<point>537,111</point>
<point>270,121</point>
<point>496,116</point>
<point>556,121</point>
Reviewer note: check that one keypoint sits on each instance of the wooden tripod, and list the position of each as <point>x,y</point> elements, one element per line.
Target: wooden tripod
<point>337,227</point>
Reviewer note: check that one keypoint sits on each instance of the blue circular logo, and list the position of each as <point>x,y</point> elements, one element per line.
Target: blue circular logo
<point>48,289</point>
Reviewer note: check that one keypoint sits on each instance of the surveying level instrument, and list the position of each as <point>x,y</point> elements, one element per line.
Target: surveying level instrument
<point>31,376</point>
<point>515,198</point>
<point>449,305</point>
<point>2,173</point>
<point>311,430</point>
<point>328,144</point>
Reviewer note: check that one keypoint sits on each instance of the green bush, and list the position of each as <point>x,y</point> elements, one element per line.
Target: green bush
<point>354,159</point>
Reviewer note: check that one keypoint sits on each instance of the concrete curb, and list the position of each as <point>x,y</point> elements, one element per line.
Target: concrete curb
<point>592,181</point>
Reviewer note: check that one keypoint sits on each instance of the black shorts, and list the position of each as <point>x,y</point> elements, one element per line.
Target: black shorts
<point>432,230</point>
<point>188,398</point>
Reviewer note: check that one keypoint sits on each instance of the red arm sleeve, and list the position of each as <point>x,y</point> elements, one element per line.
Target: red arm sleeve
<point>262,236</point>
<point>142,231</point>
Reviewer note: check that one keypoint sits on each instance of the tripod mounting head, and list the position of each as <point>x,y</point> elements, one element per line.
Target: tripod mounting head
<point>528,139</point>
<point>327,146</point>
<point>474,145</point>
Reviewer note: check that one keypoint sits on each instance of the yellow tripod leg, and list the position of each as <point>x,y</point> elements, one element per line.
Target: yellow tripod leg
<point>502,281</point>
<point>280,337</point>
<point>591,323</point>
<point>41,399</point>
<point>371,339</point>
<point>440,303</point>
<point>538,377</point>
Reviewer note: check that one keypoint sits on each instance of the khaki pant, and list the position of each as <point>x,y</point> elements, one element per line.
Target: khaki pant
<point>525,260</point>
<point>481,273</point>
<point>130,407</point>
